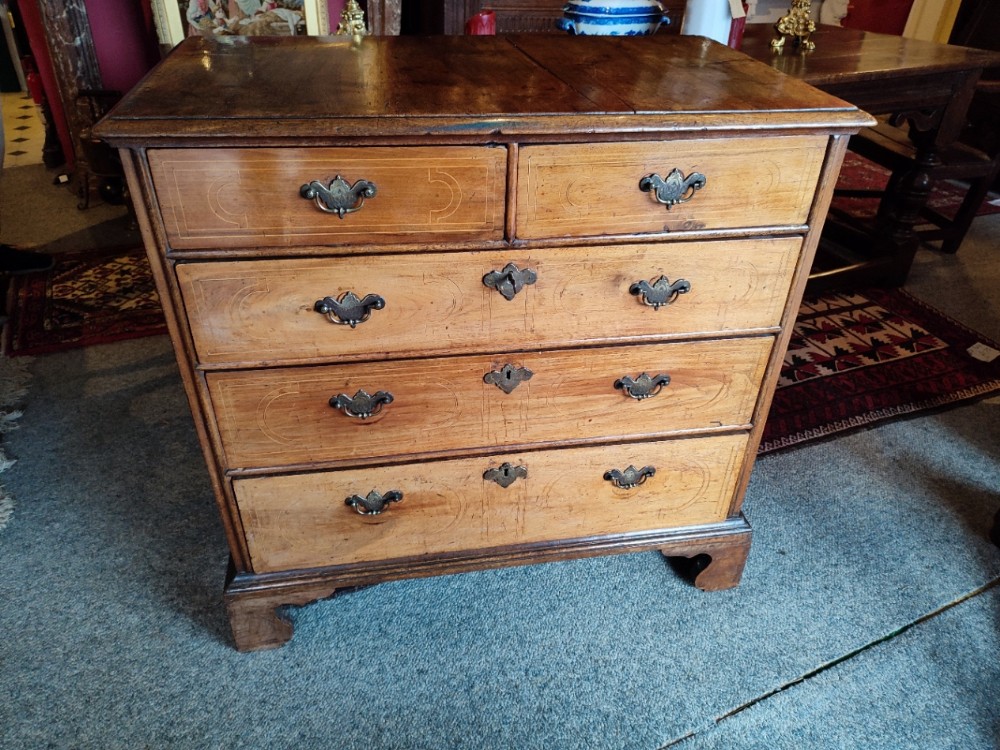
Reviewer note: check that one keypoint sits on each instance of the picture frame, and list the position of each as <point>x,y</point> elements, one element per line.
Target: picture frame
<point>177,19</point>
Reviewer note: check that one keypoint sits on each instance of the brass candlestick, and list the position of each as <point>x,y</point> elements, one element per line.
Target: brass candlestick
<point>795,24</point>
<point>352,21</point>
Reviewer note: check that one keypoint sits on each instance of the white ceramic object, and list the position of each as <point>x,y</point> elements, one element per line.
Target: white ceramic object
<point>612,17</point>
<point>711,18</point>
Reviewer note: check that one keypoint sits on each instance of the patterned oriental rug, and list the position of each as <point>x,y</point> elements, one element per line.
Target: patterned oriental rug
<point>866,357</point>
<point>89,297</point>
<point>853,360</point>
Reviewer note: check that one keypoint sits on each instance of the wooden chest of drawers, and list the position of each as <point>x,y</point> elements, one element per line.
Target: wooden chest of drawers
<point>442,304</point>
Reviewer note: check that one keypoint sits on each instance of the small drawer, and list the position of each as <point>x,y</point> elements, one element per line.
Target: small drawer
<point>273,418</point>
<point>263,312</point>
<point>580,190</point>
<point>304,520</point>
<point>251,196</point>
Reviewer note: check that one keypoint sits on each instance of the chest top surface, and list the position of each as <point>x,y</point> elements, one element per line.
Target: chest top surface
<point>478,88</point>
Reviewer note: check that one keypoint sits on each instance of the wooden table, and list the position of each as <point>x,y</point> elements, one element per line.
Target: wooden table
<point>925,84</point>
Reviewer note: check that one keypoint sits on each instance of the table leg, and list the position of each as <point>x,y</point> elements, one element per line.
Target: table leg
<point>905,198</point>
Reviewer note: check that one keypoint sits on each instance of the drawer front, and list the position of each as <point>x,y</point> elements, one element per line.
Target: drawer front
<point>262,312</point>
<point>578,190</point>
<point>302,521</point>
<point>251,197</point>
<point>278,417</point>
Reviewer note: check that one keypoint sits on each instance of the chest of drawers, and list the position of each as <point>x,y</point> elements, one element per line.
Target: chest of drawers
<point>443,304</point>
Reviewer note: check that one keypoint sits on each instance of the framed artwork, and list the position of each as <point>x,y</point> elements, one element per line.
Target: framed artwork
<point>177,19</point>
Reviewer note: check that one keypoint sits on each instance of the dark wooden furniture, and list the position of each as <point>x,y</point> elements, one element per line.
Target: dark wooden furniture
<point>975,165</point>
<point>924,84</point>
<point>531,242</point>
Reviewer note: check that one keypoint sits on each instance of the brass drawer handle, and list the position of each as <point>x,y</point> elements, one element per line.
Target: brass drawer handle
<point>510,280</point>
<point>661,292</point>
<point>631,477</point>
<point>361,405</point>
<point>339,197</point>
<point>642,387</point>
<point>506,474</point>
<point>675,189</point>
<point>508,377</point>
<point>348,309</point>
<point>373,503</point>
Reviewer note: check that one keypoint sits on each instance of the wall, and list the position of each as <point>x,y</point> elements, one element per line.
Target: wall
<point>932,19</point>
<point>124,41</point>
<point>823,11</point>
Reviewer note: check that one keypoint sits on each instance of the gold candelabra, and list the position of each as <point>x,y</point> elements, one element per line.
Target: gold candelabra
<point>352,21</point>
<point>795,24</point>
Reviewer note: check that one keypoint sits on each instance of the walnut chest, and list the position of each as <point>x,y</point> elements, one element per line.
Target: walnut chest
<point>448,303</point>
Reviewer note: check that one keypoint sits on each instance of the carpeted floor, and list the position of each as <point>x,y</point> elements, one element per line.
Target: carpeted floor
<point>867,617</point>
<point>113,565</point>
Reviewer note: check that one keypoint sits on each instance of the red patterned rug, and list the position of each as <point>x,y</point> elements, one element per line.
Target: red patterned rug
<point>861,358</point>
<point>90,297</point>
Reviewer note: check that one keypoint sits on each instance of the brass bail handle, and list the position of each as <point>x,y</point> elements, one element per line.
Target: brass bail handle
<point>659,292</point>
<point>630,477</point>
<point>339,197</point>
<point>374,502</point>
<point>674,189</point>
<point>348,309</point>
<point>643,387</point>
<point>362,405</point>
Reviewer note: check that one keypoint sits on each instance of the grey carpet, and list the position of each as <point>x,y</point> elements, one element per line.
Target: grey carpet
<point>29,194</point>
<point>114,634</point>
<point>934,686</point>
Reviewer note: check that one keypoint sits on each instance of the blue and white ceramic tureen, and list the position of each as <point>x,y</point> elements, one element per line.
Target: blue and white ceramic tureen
<point>612,17</point>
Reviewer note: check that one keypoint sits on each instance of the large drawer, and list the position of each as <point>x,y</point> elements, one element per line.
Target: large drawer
<point>302,520</point>
<point>250,197</point>
<point>278,417</point>
<point>578,190</point>
<point>262,311</point>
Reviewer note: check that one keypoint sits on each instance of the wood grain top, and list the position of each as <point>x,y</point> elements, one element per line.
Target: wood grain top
<point>848,56</point>
<point>460,87</point>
